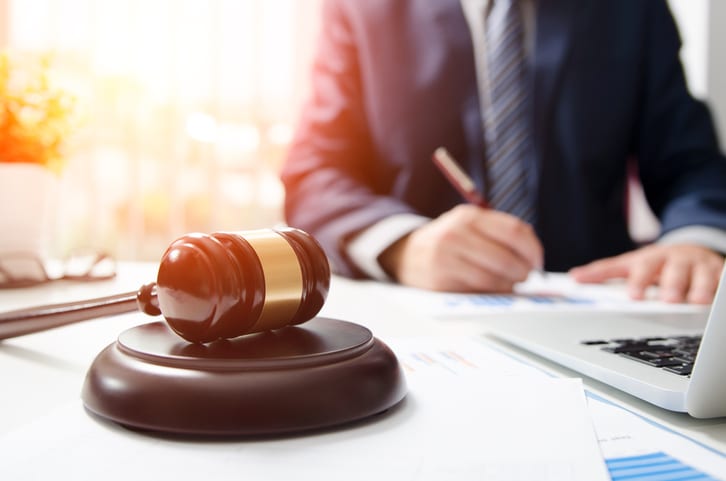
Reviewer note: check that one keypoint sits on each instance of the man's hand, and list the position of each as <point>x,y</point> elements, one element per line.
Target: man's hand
<point>684,272</point>
<point>467,249</point>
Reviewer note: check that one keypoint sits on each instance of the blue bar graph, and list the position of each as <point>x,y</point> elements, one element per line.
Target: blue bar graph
<point>507,300</point>
<point>653,467</point>
<point>492,300</point>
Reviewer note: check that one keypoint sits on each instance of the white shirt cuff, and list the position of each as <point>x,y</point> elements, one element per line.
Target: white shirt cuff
<point>365,248</point>
<point>710,237</point>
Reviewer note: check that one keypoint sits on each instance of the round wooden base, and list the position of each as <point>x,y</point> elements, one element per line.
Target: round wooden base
<point>319,374</point>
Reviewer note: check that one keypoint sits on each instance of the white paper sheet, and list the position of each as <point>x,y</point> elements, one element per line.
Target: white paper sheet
<point>552,292</point>
<point>639,450</point>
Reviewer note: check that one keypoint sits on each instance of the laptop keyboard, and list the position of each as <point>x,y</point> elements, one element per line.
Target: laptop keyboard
<point>673,354</point>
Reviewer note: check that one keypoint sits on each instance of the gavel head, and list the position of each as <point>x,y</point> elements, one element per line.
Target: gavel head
<point>227,284</point>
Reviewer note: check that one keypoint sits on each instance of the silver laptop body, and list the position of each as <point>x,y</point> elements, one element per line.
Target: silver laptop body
<point>560,338</point>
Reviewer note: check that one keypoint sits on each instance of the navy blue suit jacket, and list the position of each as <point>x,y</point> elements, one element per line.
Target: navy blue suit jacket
<point>394,79</point>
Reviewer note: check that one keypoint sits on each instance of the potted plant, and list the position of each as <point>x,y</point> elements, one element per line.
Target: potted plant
<point>36,119</point>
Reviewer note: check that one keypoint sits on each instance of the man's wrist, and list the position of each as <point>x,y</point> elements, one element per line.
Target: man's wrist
<point>366,248</point>
<point>390,259</point>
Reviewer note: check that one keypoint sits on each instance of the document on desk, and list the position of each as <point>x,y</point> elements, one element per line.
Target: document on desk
<point>634,448</point>
<point>551,292</point>
<point>638,449</point>
<point>461,420</point>
<point>490,417</point>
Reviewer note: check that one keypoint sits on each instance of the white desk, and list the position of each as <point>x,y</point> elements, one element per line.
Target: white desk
<point>44,371</point>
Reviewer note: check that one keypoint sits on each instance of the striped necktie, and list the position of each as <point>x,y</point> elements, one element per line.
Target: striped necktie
<point>506,129</point>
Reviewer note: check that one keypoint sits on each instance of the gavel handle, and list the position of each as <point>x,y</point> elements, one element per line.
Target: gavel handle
<point>35,319</point>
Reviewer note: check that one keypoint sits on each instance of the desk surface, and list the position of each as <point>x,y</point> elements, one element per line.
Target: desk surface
<point>43,371</point>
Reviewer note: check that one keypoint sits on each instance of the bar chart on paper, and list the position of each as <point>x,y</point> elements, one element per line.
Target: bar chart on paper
<point>510,300</point>
<point>653,467</point>
<point>636,448</point>
<point>633,448</point>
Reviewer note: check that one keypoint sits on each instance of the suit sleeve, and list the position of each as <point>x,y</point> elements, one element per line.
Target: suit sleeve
<point>335,187</point>
<point>682,171</point>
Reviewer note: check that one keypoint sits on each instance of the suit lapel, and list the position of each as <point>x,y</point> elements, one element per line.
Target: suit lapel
<point>554,35</point>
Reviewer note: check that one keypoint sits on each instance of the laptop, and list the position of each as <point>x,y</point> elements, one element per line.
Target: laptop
<point>673,360</point>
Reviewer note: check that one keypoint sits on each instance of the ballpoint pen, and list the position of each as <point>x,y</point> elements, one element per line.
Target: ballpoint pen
<point>458,178</point>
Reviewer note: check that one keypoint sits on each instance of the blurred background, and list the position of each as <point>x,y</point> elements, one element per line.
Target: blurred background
<point>187,108</point>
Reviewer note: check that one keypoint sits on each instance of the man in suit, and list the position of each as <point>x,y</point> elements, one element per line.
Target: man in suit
<point>600,85</point>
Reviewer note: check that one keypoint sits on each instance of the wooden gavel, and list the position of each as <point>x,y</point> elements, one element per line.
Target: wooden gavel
<point>210,287</point>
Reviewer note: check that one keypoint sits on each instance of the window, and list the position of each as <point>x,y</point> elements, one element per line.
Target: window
<point>187,109</point>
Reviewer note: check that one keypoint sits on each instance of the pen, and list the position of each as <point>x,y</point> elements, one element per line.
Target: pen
<point>458,178</point>
<point>461,181</point>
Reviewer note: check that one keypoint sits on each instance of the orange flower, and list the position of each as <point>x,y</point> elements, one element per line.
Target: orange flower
<point>36,117</point>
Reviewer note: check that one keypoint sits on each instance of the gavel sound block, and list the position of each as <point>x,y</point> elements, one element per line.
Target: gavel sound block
<point>241,351</point>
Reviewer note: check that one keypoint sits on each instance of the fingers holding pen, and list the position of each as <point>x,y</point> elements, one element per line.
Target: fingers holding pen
<point>495,240</point>
<point>511,233</point>
<point>466,249</point>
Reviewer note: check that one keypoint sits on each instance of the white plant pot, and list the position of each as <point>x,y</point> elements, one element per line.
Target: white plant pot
<point>28,194</point>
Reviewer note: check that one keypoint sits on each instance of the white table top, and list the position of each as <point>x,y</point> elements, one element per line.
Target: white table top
<point>43,371</point>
